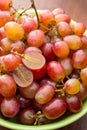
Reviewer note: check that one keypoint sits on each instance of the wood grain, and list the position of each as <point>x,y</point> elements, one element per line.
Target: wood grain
<point>77,10</point>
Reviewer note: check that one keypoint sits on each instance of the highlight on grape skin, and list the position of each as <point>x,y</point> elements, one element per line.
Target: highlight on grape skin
<point>43,64</point>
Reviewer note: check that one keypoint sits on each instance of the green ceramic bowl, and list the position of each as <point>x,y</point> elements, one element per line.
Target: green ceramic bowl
<point>67,119</point>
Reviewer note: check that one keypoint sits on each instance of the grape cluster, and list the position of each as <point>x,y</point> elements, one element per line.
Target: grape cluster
<point>43,64</point>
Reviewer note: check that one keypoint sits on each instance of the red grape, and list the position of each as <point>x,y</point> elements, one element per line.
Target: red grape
<point>29,91</point>
<point>27,116</point>
<point>36,106</point>
<point>23,76</point>
<point>47,81</point>
<point>24,102</point>
<point>33,60</point>
<point>6,44</point>
<point>5,4</point>
<point>73,41</point>
<point>40,73</point>
<point>10,107</point>
<point>74,104</point>
<point>79,59</point>
<point>82,93</point>
<point>35,38</point>
<point>67,65</point>
<point>32,48</point>
<point>28,24</point>
<point>47,51</point>
<point>7,86</point>
<point>62,18</point>
<point>17,46</point>
<point>63,29</point>
<point>78,28</point>
<point>61,49</point>
<point>58,11</point>
<point>54,108</point>
<point>84,42</point>
<point>55,71</point>
<point>4,17</point>
<point>44,94</point>
<point>46,19</point>
<point>83,76</point>
<point>10,62</point>
<point>72,86</point>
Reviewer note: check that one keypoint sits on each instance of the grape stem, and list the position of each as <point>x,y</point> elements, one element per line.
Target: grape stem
<point>34,7</point>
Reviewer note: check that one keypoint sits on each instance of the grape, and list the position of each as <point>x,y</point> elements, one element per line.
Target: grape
<point>73,41</point>
<point>5,5</point>
<point>47,81</point>
<point>27,116</point>
<point>55,71</point>
<point>42,119</point>
<point>40,73</point>
<point>32,48</point>
<point>44,94</point>
<point>24,102</point>
<point>33,60</point>
<point>14,31</point>
<point>83,76</point>
<point>74,104</point>
<point>29,91</point>
<point>84,42</point>
<point>72,86</point>
<point>6,44</point>
<point>4,17</point>
<point>79,59</point>
<point>62,18</point>
<point>36,106</point>
<point>63,29</point>
<point>61,49</point>
<point>54,109</point>
<point>10,62</point>
<point>28,24</point>
<point>67,65</point>
<point>82,93</point>
<point>78,28</point>
<point>58,11</point>
<point>22,76</point>
<point>46,19</point>
<point>7,86</point>
<point>10,107</point>
<point>17,46</point>
<point>47,51</point>
<point>35,38</point>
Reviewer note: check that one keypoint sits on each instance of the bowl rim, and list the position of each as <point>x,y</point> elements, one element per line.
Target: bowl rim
<point>54,125</point>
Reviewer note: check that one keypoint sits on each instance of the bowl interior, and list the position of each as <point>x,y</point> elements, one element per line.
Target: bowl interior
<point>65,120</point>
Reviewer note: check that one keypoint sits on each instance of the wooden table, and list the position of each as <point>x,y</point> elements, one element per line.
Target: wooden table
<point>77,9</point>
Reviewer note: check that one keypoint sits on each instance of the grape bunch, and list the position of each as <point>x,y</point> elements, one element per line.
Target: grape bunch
<point>43,64</point>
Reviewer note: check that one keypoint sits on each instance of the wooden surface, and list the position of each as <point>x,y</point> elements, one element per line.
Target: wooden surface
<point>77,9</point>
